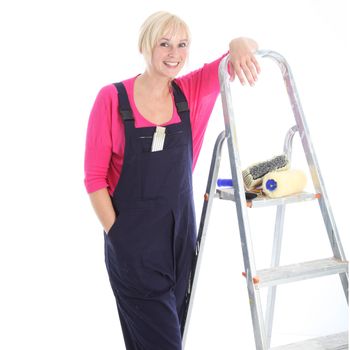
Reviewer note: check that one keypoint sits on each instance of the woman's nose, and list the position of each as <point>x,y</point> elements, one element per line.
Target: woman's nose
<point>173,51</point>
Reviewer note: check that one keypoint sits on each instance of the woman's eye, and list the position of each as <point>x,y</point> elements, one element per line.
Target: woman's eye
<point>183,45</point>
<point>164,44</point>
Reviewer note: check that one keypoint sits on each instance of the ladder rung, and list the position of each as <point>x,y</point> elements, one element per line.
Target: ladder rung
<point>337,341</point>
<point>227,194</point>
<point>301,271</point>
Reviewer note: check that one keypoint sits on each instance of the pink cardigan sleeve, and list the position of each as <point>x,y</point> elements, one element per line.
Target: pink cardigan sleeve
<point>201,88</point>
<point>101,131</point>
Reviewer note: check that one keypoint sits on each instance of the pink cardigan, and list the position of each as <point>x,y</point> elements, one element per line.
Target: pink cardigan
<point>105,139</point>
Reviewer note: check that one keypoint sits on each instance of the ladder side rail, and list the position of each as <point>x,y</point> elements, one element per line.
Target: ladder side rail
<point>312,160</point>
<point>275,260</point>
<point>241,208</point>
<point>277,244</point>
<point>201,236</point>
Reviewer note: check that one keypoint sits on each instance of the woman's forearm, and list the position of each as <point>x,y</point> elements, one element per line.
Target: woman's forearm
<point>102,204</point>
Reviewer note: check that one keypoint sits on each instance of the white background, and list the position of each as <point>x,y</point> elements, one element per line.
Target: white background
<point>55,56</point>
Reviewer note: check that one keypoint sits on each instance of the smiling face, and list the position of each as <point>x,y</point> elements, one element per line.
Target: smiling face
<point>164,41</point>
<point>169,54</point>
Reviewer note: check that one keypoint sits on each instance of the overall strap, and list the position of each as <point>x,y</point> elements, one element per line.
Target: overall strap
<point>180,99</point>
<point>126,111</point>
<point>124,104</point>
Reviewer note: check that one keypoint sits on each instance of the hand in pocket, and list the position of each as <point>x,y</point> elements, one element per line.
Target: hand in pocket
<point>110,226</point>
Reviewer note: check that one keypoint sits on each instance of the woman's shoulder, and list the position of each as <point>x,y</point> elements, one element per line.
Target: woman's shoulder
<point>107,93</point>
<point>110,91</point>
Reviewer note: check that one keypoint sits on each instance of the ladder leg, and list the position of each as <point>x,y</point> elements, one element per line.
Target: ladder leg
<point>333,235</point>
<point>277,243</point>
<point>275,261</point>
<point>344,278</point>
<point>315,171</point>
<point>242,215</point>
<point>208,199</point>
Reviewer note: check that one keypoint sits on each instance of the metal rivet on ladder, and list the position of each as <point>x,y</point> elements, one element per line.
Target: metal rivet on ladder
<point>256,279</point>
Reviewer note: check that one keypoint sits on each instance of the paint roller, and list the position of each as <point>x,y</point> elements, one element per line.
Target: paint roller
<point>253,175</point>
<point>274,175</point>
<point>283,183</point>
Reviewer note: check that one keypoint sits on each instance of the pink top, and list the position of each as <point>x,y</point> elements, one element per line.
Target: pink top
<point>105,139</point>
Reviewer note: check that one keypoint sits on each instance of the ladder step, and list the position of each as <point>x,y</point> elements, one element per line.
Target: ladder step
<point>300,271</point>
<point>227,194</point>
<point>337,341</point>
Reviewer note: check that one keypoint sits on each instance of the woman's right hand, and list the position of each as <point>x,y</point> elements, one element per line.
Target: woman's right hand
<point>101,202</point>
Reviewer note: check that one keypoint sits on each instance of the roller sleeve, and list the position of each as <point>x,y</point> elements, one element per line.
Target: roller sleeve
<point>283,183</point>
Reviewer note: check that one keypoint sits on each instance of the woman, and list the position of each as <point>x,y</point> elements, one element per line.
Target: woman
<point>139,176</point>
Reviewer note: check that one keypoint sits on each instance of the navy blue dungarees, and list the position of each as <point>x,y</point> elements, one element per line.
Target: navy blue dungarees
<point>150,247</point>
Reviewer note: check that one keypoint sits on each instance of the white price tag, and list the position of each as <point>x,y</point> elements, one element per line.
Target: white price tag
<point>158,139</point>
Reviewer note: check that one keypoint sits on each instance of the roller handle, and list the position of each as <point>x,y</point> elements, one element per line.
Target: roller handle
<point>228,183</point>
<point>224,183</point>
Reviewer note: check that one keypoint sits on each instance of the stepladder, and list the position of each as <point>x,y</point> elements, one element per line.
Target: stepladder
<point>276,274</point>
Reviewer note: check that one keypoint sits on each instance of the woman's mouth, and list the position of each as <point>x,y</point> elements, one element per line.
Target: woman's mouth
<point>171,64</point>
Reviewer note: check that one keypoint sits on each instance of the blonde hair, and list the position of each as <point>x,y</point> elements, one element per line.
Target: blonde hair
<point>154,27</point>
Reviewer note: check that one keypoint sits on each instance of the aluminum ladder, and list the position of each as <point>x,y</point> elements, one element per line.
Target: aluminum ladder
<point>275,275</point>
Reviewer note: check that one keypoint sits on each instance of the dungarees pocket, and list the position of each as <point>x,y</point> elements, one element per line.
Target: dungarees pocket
<point>157,175</point>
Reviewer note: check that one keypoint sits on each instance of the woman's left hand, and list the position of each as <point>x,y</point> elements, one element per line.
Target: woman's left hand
<point>242,60</point>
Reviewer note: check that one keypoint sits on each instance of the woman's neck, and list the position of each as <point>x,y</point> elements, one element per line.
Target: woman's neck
<point>155,85</point>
